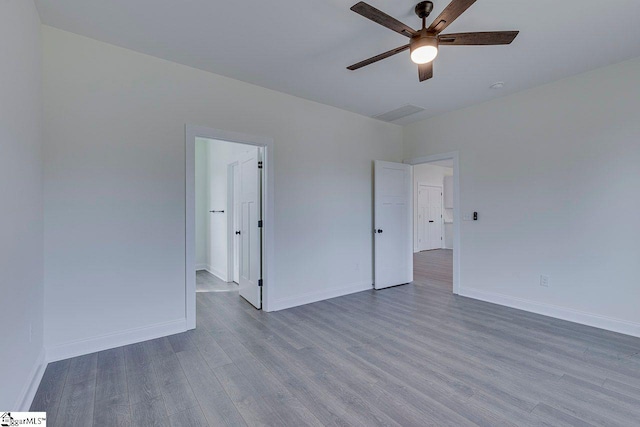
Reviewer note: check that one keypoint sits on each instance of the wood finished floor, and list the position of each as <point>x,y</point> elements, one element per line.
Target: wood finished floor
<point>207,282</point>
<point>413,355</point>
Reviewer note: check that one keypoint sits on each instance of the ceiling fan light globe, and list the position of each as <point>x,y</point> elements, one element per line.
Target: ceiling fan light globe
<point>424,54</point>
<point>424,47</point>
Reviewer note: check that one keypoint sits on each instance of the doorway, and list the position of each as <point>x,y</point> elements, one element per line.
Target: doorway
<point>436,219</point>
<point>228,218</point>
<point>413,205</point>
<point>229,211</point>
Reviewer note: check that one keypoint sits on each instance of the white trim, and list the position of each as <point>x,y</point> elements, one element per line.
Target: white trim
<point>268,212</point>
<point>209,269</point>
<point>216,272</point>
<point>308,298</point>
<point>113,340</point>
<point>25,398</point>
<point>455,156</point>
<point>571,315</point>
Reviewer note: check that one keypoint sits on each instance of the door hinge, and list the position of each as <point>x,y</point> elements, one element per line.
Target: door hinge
<point>441,238</point>
<point>260,282</point>
<point>260,224</point>
<point>260,164</point>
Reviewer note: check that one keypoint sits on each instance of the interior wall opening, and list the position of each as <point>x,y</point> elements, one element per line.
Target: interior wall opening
<point>228,218</point>
<point>228,212</point>
<point>255,279</point>
<point>218,213</point>
<point>433,223</point>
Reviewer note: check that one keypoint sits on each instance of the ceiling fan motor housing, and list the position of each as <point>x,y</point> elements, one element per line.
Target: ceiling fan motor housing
<point>424,37</point>
<point>423,9</point>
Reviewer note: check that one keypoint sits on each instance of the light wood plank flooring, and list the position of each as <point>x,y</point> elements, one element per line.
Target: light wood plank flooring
<point>413,355</point>
<point>207,282</point>
<point>434,267</point>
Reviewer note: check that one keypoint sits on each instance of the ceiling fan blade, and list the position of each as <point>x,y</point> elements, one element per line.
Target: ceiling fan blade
<point>450,14</point>
<point>378,57</point>
<point>477,39</point>
<point>425,71</point>
<point>382,18</point>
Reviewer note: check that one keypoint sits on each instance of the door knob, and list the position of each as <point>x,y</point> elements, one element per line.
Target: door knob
<point>430,221</point>
<point>237,232</point>
<point>379,230</point>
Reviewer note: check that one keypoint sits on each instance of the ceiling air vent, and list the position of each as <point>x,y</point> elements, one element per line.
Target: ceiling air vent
<point>399,113</point>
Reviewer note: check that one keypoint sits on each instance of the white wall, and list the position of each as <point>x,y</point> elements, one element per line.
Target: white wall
<point>21,232</point>
<point>430,175</point>
<point>212,160</point>
<point>115,189</point>
<point>202,203</point>
<point>553,173</point>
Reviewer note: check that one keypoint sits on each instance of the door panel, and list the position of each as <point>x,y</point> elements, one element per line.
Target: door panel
<point>236,222</point>
<point>429,217</point>
<point>250,236</point>
<point>423,217</point>
<point>393,252</point>
<point>435,218</point>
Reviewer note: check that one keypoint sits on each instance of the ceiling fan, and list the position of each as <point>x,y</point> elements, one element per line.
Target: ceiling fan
<point>423,44</point>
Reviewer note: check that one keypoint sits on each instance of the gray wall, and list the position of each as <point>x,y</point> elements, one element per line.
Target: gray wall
<point>554,175</point>
<point>115,194</point>
<point>21,232</point>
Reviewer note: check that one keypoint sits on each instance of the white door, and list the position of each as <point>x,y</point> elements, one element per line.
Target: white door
<point>423,213</point>
<point>250,232</point>
<point>234,221</point>
<point>429,217</point>
<point>434,220</point>
<point>235,174</point>
<point>393,246</point>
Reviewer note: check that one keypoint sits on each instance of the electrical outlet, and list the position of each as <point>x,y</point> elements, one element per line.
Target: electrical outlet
<point>544,281</point>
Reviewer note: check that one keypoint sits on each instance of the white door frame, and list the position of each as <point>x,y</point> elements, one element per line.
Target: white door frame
<point>457,218</point>
<point>191,133</point>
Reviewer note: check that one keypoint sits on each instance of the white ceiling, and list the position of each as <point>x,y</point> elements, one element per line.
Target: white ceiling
<point>302,47</point>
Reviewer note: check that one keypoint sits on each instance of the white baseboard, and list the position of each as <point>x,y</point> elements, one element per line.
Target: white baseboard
<point>284,303</point>
<point>571,315</point>
<point>222,275</point>
<point>23,403</point>
<point>116,339</point>
<point>218,273</point>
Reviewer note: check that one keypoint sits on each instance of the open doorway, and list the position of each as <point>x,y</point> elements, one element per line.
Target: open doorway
<point>433,222</point>
<point>229,211</point>
<point>228,214</point>
<point>436,220</point>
